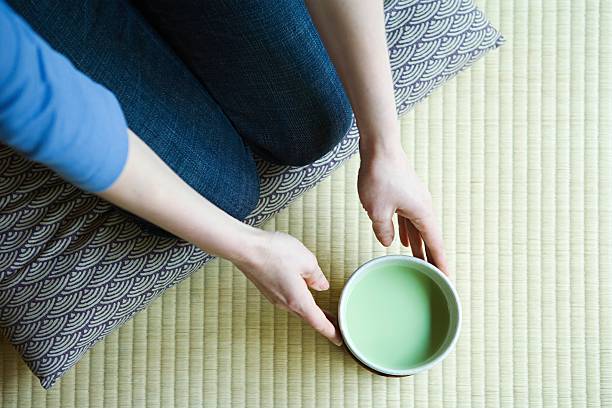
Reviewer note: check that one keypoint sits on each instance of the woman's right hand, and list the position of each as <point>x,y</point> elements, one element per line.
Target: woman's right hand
<point>282,268</point>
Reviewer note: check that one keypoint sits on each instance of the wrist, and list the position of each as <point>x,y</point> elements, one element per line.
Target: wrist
<point>380,142</point>
<point>247,246</point>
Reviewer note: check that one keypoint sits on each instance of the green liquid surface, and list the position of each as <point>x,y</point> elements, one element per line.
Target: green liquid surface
<point>396,316</point>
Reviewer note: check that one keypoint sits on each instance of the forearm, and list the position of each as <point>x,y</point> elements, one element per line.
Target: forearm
<point>354,35</point>
<point>148,188</point>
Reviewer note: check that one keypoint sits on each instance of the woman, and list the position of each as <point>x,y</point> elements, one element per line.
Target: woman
<point>275,86</point>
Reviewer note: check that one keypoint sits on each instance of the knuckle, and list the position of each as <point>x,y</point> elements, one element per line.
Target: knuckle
<point>295,305</point>
<point>425,209</point>
<point>313,259</point>
<point>280,305</point>
<point>377,212</point>
<point>378,218</point>
<point>318,325</point>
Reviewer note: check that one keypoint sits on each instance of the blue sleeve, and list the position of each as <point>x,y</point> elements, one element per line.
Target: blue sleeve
<point>54,114</point>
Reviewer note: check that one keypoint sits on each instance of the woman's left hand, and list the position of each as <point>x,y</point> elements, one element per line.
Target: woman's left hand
<point>388,185</point>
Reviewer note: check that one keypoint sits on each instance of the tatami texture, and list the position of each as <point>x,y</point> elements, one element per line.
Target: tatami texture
<point>517,153</point>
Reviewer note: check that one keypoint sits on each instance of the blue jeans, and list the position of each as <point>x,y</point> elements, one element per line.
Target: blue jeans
<point>207,83</point>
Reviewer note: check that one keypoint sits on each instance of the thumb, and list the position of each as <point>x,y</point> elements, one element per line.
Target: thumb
<point>316,317</point>
<point>382,224</point>
<point>316,279</point>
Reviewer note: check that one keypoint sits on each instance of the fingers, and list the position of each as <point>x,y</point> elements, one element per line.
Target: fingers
<point>315,278</point>
<point>416,243</point>
<point>432,236</point>
<point>314,316</point>
<point>403,230</point>
<point>382,224</point>
<point>331,317</point>
<point>429,256</point>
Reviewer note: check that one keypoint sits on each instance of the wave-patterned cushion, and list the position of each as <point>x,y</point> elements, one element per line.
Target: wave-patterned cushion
<point>73,267</point>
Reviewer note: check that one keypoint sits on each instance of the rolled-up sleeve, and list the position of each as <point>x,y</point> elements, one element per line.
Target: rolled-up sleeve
<point>54,114</point>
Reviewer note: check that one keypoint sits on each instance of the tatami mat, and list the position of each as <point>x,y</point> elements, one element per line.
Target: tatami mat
<point>517,152</point>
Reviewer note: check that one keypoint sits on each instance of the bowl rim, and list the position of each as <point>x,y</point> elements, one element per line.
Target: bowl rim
<point>348,341</point>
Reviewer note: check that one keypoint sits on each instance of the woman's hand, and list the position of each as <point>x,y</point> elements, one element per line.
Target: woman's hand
<point>353,32</point>
<point>278,264</point>
<point>388,185</point>
<point>283,269</point>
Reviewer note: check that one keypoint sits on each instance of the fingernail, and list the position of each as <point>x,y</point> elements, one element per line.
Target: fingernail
<point>323,285</point>
<point>339,343</point>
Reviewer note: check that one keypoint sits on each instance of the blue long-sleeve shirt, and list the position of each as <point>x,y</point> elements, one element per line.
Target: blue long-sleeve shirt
<point>53,113</point>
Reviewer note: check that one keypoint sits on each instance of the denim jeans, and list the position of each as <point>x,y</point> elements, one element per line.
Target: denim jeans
<point>207,83</point>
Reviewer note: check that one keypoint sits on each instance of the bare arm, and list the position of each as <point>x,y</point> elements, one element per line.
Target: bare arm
<point>278,264</point>
<point>354,35</point>
<point>149,188</point>
<point>56,115</point>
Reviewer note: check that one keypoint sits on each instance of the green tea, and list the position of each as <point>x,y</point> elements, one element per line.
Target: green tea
<point>396,316</point>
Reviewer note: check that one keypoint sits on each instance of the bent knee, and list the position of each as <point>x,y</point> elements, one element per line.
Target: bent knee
<point>232,185</point>
<point>332,128</point>
<point>249,199</point>
<point>241,195</point>
<point>322,129</point>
